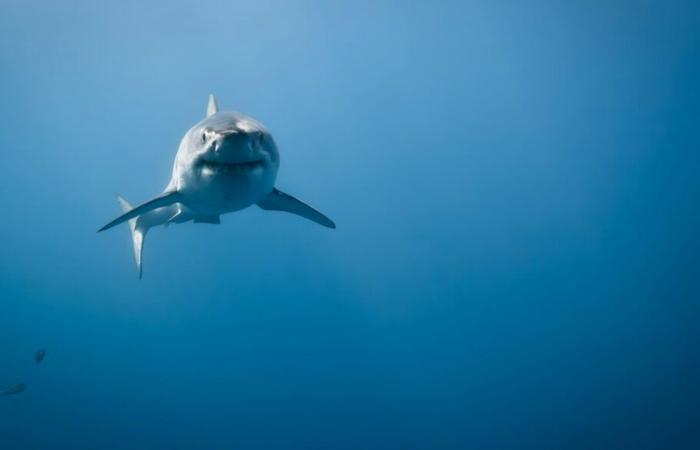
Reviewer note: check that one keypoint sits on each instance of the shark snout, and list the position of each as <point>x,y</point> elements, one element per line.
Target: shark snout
<point>235,146</point>
<point>227,138</point>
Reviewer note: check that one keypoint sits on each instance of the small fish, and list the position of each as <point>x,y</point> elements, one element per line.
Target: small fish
<point>14,389</point>
<point>39,356</point>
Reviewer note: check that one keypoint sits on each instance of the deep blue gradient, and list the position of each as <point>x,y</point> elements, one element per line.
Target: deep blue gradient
<point>516,187</point>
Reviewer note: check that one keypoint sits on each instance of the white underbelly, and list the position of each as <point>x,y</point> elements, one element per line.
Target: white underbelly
<point>213,193</point>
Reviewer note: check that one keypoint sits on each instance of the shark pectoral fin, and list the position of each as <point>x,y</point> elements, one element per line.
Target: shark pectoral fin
<point>279,201</point>
<point>207,219</point>
<point>165,199</point>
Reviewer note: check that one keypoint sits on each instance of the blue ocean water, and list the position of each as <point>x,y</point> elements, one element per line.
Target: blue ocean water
<point>516,190</point>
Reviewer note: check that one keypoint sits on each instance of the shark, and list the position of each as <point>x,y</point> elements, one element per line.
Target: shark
<point>226,162</point>
<point>14,389</point>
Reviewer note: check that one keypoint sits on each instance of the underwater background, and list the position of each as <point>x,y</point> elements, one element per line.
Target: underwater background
<point>516,190</point>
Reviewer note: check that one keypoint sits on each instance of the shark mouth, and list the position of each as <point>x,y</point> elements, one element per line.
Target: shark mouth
<point>232,168</point>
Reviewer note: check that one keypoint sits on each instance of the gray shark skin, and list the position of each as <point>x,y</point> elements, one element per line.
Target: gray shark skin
<point>226,162</point>
<point>14,389</point>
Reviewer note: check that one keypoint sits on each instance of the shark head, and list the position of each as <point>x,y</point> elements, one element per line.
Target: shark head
<point>229,144</point>
<point>226,161</point>
<point>229,139</point>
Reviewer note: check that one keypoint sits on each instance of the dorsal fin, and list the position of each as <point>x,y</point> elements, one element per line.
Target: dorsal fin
<point>212,107</point>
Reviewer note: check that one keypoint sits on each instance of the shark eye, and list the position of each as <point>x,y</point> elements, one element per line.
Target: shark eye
<point>204,138</point>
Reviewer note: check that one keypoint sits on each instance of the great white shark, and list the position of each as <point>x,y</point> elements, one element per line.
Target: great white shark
<point>226,162</point>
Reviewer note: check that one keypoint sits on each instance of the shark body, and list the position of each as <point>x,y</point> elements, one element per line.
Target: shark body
<point>14,389</point>
<point>226,162</point>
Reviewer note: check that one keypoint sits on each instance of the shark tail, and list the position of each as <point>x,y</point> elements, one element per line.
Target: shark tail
<point>138,233</point>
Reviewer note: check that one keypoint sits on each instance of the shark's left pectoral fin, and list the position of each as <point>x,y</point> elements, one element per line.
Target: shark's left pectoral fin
<point>279,201</point>
<point>164,199</point>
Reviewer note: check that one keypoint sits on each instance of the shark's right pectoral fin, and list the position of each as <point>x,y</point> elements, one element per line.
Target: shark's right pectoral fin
<point>279,201</point>
<point>165,199</point>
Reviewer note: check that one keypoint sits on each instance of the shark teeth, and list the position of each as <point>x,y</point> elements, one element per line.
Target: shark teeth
<point>230,168</point>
